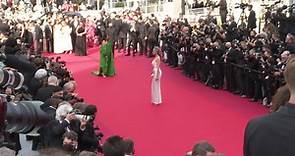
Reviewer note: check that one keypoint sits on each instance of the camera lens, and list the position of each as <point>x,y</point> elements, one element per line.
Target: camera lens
<point>11,78</point>
<point>25,116</point>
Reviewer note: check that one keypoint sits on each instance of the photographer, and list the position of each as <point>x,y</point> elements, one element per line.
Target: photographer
<point>52,88</point>
<point>231,28</point>
<point>223,10</point>
<point>37,81</point>
<point>251,19</point>
<point>62,123</point>
<point>90,135</point>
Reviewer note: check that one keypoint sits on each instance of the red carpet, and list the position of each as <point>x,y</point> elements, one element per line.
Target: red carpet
<point>191,111</point>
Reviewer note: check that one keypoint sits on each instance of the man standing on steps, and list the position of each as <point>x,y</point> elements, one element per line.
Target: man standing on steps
<point>274,134</point>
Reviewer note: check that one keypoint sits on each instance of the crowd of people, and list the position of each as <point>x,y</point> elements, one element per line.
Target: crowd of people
<point>71,124</point>
<point>231,56</point>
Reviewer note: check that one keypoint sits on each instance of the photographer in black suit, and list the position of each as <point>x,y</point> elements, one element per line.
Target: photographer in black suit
<point>223,10</point>
<point>251,18</point>
<point>274,134</point>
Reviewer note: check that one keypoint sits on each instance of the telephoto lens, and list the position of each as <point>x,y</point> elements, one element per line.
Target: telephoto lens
<point>25,117</point>
<point>11,78</point>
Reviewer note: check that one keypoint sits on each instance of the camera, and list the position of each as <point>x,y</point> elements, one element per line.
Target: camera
<point>243,6</point>
<point>85,117</point>
<point>80,116</point>
<point>11,78</point>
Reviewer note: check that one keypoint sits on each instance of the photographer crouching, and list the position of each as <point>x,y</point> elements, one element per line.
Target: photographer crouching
<point>68,119</point>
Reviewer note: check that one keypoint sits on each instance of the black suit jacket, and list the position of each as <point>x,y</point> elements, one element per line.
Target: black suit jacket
<point>48,32</point>
<point>141,28</point>
<point>271,135</point>
<point>152,33</point>
<point>45,93</point>
<point>34,85</point>
<point>56,129</point>
<point>38,33</point>
<point>116,28</point>
<point>124,29</point>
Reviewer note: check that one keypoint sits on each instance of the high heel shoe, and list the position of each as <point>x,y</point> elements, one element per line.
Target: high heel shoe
<point>95,73</point>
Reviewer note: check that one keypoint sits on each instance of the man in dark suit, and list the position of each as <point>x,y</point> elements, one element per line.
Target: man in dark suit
<point>74,24</point>
<point>45,93</point>
<point>65,121</point>
<point>152,37</point>
<point>232,29</point>
<point>133,38</point>
<point>141,29</point>
<point>274,134</point>
<point>124,29</point>
<point>223,10</point>
<point>48,37</point>
<point>117,22</point>
<point>38,38</point>
<point>251,19</point>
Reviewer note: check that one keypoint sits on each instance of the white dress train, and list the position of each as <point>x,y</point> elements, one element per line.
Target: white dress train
<point>67,40</point>
<point>58,39</point>
<point>156,83</point>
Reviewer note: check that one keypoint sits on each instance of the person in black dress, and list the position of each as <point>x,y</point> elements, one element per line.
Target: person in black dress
<point>80,48</point>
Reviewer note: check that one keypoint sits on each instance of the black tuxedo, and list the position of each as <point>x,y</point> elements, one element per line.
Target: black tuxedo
<point>271,135</point>
<point>74,26</point>
<point>223,10</point>
<point>48,38</point>
<point>152,38</point>
<point>141,29</point>
<point>124,29</point>
<point>232,31</point>
<point>116,29</point>
<point>133,38</point>
<point>38,43</point>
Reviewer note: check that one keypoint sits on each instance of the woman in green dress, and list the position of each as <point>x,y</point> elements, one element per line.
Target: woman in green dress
<point>107,67</point>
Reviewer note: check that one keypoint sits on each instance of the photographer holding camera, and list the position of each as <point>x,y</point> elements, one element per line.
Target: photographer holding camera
<point>251,18</point>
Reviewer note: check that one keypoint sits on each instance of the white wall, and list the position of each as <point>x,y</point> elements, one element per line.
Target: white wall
<point>173,9</point>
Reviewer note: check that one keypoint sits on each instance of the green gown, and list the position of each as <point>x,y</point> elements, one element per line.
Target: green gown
<point>107,66</point>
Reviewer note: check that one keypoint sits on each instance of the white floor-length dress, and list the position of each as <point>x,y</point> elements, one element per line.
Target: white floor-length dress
<point>58,39</point>
<point>67,40</point>
<point>156,82</point>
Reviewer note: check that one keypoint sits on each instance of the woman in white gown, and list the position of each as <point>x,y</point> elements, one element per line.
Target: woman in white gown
<point>57,38</point>
<point>156,77</point>
<point>66,37</point>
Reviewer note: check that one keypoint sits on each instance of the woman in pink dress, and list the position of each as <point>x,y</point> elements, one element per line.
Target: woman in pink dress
<point>90,28</point>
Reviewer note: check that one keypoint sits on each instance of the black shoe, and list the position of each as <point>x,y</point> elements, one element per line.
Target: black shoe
<point>237,92</point>
<point>215,87</point>
<point>127,55</point>
<point>253,100</point>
